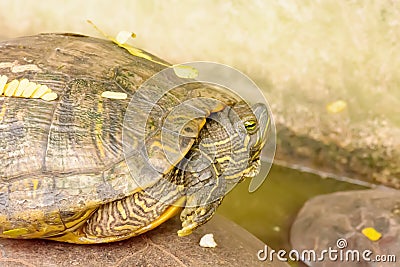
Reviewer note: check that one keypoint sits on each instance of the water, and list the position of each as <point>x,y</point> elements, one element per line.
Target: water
<point>269,212</point>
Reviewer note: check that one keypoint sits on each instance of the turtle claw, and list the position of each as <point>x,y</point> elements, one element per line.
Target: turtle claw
<point>193,217</point>
<point>187,230</point>
<point>191,222</point>
<point>188,218</point>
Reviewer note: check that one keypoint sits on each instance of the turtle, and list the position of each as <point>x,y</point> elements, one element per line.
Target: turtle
<point>75,165</point>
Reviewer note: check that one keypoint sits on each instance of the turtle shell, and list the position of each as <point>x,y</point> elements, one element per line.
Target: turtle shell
<point>61,159</point>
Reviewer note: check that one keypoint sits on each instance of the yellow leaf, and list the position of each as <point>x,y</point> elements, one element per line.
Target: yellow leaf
<point>16,232</point>
<point>11,87</point>
<point>132,50</point>
<point>49,96</point>
<point>336,106</point>
<point>371,233</point>
<point>3,82</point>
<point>123,36</point>
<point>23,84</point>
<point>41,90</point>
<point>29,89</point>
<point>114,95</point>
<point>186,72</point>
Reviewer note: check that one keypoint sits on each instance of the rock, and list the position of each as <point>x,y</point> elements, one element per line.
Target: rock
<point>338,220</point>
<point>160,247</point>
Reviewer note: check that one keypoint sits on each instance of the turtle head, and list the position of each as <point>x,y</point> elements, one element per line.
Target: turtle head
<point>250,128</point>
<point>230,144</point>
<point>258,138</point>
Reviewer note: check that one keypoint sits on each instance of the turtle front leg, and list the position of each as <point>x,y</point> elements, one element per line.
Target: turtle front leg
<point>202,202</point>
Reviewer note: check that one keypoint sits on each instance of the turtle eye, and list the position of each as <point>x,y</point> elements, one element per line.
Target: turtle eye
<point>250,125</point>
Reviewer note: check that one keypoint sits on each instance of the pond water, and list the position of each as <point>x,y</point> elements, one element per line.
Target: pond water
<point>269,212</point>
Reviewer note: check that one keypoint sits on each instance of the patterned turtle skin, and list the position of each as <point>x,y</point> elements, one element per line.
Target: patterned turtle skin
<point>65,174</point>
